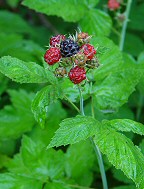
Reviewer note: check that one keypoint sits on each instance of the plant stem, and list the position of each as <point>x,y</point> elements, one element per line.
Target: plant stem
<point>96,148</point>
<point>124,27</point>
<point>74,106</point>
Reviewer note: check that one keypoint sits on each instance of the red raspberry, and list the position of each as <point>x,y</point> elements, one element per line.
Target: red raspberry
<point>52,55</point>
<point>113,4</point>
<point>88,50</point>
<point>77,74</point>
<point>54,41</point>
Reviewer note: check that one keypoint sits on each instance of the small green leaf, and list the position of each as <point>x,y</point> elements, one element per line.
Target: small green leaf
<point>126,125</point>
<point>122,153</point>
<point>93,23</point>
<point>40,105</point>
<point>73,130</point>
<point>23,72</point>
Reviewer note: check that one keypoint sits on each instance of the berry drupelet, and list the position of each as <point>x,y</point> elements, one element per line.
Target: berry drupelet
<point>52,55</point>
<point>56,40</point>
<point>69,48</point>
<point>88,50</point>
<point>77,75</point>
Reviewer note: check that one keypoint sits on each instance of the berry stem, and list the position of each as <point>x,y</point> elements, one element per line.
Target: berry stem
<point>96,148</point>
<point>124,27</point>
<point>74,106</point>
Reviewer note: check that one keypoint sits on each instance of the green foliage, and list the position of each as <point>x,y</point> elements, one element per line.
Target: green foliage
<point>73,130</point>
<point>23,72</point>
<point>122,153</point>
<point>43,99</point>
<point>29,93</point>
<point>17,118</point>
<point>96,26</point>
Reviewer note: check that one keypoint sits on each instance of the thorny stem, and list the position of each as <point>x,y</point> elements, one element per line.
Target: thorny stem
<point>124,27</point>
<point>96,148</point>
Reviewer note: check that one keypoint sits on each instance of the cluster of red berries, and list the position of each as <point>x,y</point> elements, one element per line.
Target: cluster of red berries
<point>113,4</point>
<point>72,55</point>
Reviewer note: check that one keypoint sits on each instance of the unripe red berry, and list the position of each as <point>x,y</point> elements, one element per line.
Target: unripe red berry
<point>113,4</point>
<point>52,55</point>
<point>83,38</point>
<point>77,75</point>
<point>88,50</point>
<point>56,40</point>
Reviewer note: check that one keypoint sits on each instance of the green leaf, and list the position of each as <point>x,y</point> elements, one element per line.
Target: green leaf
<point>79,162</point>
<point>71,11</point>
<point>126,125</point>
<point>13,3</point>
<point>136,20</point>
<point>73,130</point>
<point>36,162</point>
<point>114,90</point>
<point>109,56</point>
<point>122,153</point>
<point>96,22</point>
<point>13,181</point>
<point>47,96</point>
<point>131,48</point>
<point>125,187</point>
<point>57,186</point>
<point>16,119</point>
<point>11,23</point>
<point>142,146</point>
<point>23,72</point>
<point>141,67</point>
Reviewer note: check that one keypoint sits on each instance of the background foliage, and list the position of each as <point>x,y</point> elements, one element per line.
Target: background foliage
<point>31,96</point>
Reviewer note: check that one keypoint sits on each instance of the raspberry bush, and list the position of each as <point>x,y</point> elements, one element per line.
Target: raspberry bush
<point>71,94</point>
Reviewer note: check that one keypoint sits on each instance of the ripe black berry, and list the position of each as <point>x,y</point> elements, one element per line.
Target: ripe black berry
<point>69,48</point>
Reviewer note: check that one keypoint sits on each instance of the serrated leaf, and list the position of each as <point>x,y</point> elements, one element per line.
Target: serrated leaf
<point>40,105</point>
<point>73,130</point>
<point>93,23</point>
<point>14,181</point>
<point>110,57</point>
<point>122,153</point>
<point>71,11</point>
<point>23,72</point>
<point>36,162</point>
<point>114,90</point>
<point>126,125</point>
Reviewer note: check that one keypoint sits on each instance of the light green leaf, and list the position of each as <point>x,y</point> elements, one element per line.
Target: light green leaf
<point>23,72</point>
<point>122,153</point>
<point>126,125</point>
<point>114,90</point>
<point>96,22</point>
<point>109,56</point>
<point>57,186</point>
<point>142,146</point>
<point>42,100</point>
<point>73,130</point>
<point>13,181</point>
<point>71,11</point>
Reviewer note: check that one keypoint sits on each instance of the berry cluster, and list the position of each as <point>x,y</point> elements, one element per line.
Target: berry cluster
<point>73,56</point>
